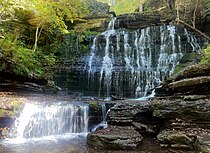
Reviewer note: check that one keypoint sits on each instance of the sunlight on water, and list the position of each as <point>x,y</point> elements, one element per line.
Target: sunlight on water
<point>38,120</point>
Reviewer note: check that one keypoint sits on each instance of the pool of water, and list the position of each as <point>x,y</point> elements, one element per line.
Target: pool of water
<point>66,143</point>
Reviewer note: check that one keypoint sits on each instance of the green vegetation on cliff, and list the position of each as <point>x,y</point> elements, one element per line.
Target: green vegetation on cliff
<point>30,32</point>
<point>206,55</point>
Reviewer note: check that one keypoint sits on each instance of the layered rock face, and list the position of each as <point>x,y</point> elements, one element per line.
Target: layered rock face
<point>185,121</point>
<point>127,121</point>
<point>181,123</point>
<point>194,79</point>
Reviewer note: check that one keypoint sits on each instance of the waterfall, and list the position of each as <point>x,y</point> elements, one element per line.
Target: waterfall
<point>104,112</point>
<point>38,120</point>
<point>129,63</point>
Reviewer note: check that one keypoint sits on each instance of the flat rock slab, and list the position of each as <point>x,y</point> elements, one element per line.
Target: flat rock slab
<point>115,138</point>
<point>186,139</point>
<point>189,110</point>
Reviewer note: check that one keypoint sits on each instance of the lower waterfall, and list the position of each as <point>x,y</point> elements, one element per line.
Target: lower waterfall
<point>54,126</point>
<point>37,120</point>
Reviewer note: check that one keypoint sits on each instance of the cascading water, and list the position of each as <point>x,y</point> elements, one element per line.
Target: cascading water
<point>104,112</point>
<point>37,120</point>
<point>58,126</point>
<point>130,63</point>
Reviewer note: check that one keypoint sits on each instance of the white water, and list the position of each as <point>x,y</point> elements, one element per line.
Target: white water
<point>51,127</point>
<point>130,63</point>
<point>37,120</point>
<point>104,112</point>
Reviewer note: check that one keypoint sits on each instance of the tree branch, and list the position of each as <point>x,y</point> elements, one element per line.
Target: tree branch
<point>193,28</point>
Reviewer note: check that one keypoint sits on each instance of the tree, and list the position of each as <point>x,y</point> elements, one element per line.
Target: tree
<point>24,22</point>
<point>141,2</point>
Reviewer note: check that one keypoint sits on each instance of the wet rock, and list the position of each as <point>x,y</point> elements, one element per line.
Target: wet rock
<point>6,121</point>
<point>124,113</point>
<point>115,138</point>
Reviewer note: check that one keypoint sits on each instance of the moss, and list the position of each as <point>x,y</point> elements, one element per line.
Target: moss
<point>94,105</point>
<point>189,57</point>
<point>178,68</point>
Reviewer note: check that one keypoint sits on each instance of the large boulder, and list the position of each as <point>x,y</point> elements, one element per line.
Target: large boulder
<point>194,79</point>
<point>188,109</point>
<point>115,138</point>
<point>134,113</point>
<point>176,139</point>
<point>193,71</point>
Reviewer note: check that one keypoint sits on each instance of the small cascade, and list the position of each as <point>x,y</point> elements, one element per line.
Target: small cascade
<point>130,63</point>
<point>37,120</point>
<point>104,112</point>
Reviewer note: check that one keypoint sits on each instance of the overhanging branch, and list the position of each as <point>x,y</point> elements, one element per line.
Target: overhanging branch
<point>193,28</point>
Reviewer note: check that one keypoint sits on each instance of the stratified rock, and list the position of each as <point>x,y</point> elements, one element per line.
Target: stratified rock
<point>194,79</point>
<point>203,143</point>
<point>115,138</point>
<point>124,113</point>
<point>194,111</point>
<point>198,85</point>
<point>193,71</point>
<point>188,138</point>
<point>189,83</point>
<point>176,139</point>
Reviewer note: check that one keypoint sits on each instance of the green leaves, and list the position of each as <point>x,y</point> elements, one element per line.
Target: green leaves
<point>123,6</point>
<point>30,30</point>
<point>206,55</point>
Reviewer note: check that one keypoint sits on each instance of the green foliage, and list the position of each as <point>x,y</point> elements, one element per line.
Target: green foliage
<point>206,55</point>
<point>74,45</point>
<point>131,6</point>
<point>123,6</point>
<point>178,68</point>
<point>30,31</point>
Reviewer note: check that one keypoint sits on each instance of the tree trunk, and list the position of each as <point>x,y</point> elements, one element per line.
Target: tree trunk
<point>140,6</point>
<point>37,35</point>
<point>194,13</point>
<point>36,39</point>
<point>177,9</point>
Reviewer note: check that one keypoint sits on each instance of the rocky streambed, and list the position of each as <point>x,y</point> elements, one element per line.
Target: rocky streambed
<point>175,123</point>
<point>176,120</point>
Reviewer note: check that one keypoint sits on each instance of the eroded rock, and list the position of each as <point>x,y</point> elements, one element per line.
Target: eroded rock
<point>176,139</point>
<point>193,71</point>
<point>115,138</point>
<point>197,111</point>
<point>124,113</point>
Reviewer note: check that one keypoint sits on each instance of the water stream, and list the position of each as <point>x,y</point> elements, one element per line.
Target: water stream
<point>46,126</point>
<point>129,63</point>
<point>121,62</point>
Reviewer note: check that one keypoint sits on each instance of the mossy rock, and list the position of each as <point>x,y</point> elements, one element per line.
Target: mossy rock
<point>188,57</point>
